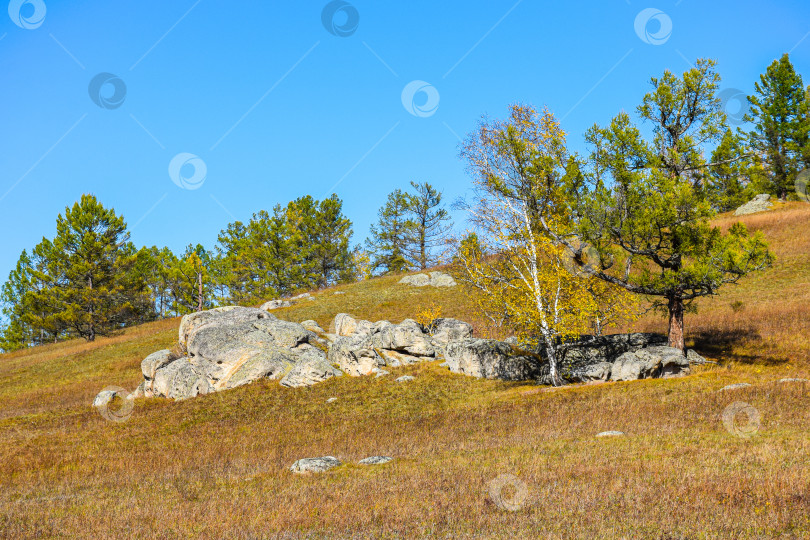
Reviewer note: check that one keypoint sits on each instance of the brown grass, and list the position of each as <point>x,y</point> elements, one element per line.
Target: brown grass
<point>217,466</point>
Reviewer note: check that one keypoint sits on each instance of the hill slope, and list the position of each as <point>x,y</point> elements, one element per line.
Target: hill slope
<point>217,466</point>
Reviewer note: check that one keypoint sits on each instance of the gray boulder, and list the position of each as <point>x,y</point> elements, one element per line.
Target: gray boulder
<point>445,330</point>
<point>223,316</point>
<point>315,465</point>
<point>375,460</point>
<point>416,280</point>
<point>736,386</point>
<point>760,203</point>
<point>276,304</point>
<point>346,325</point>
<point>406,337</point>
<point>490,359</point>
<point>311,369</point>
<point>398,359</point>
<point>406,378</point>
<point>151,364</point>
<point>354,355</point>
<point>650,362</point>
<point>180,379</point>
<point>442,279</point>
<point>312,326</point>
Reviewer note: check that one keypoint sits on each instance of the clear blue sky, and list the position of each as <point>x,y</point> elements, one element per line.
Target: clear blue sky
<point>277,107</point>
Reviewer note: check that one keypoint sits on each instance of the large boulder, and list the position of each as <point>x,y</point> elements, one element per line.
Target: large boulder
<point>443,331</point>
<point>180,379</point>
<point>433,279</point>
<point>346,325</point>
<point>311,369</point>
<point>490,359</point>
<point>760,203</point>
<point>151,364</point>
<point>651,362</point>
<point>354,355</point>
<point>406,337</point>
<point>224,316</point>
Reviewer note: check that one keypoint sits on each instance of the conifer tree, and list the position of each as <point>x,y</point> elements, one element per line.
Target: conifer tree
<point>780,134</point>
<point>727,183</point>
<point>430,225</point>
<point>389,238</point>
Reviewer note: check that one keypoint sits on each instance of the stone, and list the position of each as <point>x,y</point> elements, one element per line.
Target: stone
<point>792,380</point>
<point>490,359</point>
<point>301,296</point>
<point>406,337</point>
<point>311,369</point>
<point>433,279</point>
<point>398,359</point>
<point>276,304</point>
<point>595,372</point>
<point>695,358</point>
<point>760,203</point>
<point>339,292</point>
<point>151,364</point>
<point>442,279</point>
<point>650,362</point>
<point>354,355</point>
<point>315,465</point>
<point>344,324</point>
<point>223,316</point>
<point>445,330</point>
<point>610,434</point>
<point>375,460</point>
<point>312,326</point>
<point>416,280</point>
<point>736,386</point>
<point>331,400</point>
<point>180,379</point>
<point>405,378</point>
<point>104,398</point>
<point>380,373</point>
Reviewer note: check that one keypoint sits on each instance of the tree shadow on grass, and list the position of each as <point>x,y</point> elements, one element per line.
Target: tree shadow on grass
<point>742,345</point>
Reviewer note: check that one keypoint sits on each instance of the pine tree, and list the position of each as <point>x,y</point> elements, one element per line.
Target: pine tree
<point>190,281</point>
<point>389,238</point>
<point>780,124</point>
<point>86,272</point>
<point>17,333</point>
<point>329,234</point>
<point>430,225</point>
<point>727,183</point>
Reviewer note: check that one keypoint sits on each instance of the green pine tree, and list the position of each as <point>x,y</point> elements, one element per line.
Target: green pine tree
<point>389,238</point>
<point>431,223</point>
<point>727,183</point>
<point>778,111</point>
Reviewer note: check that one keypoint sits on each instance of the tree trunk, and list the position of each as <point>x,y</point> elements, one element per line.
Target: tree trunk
<point>199,292</point>
<point>552,364</point>
<point>676,322</point>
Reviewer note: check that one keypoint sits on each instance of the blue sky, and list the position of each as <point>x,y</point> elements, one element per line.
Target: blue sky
<point>276,106</point>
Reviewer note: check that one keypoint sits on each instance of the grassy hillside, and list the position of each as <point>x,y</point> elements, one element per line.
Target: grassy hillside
<point>217,466</point>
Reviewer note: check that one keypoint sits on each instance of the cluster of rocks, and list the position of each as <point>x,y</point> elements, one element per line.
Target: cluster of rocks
<point>228,347</point>
<point>618,357</point>
<point>323,464</point>
<point>760,203</point>
<point>431,279</point>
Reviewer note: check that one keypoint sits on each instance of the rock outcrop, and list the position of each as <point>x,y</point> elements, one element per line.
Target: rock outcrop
<point>431,279</point>
<point>760,203</point>
<point>228,347</point>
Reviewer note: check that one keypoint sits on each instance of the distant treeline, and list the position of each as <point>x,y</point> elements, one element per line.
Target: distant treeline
<point>90,280</point>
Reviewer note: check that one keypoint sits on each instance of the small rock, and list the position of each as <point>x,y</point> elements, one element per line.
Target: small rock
<point>610,434</point>
<point>405,378</point>
<point>695,358</point>
<point>339,292</point>
<point>380,373</point>
<point>276,304</point>
<point>331,400</point>
<point>734,386</point>
<point>312,326</point>
<point>760,203</point>
<point>315,465</point>
<point>790,380</point>
<point>375,460</point>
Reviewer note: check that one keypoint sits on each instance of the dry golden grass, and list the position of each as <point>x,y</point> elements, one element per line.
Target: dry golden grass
<point>217,466</point>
